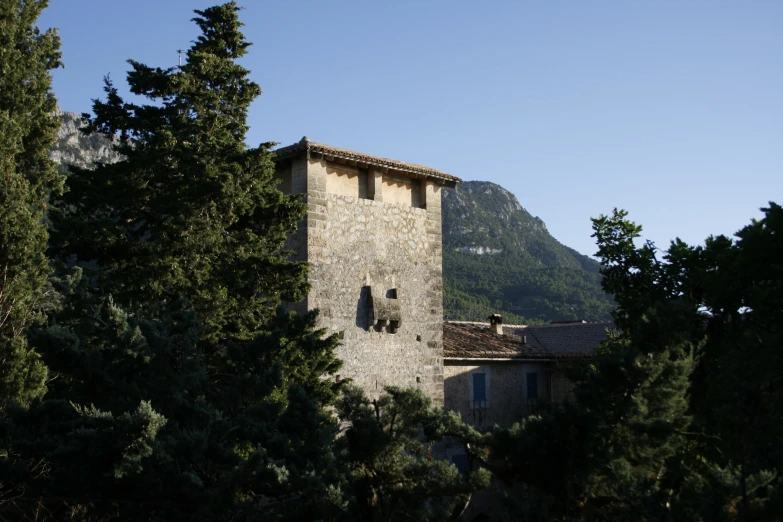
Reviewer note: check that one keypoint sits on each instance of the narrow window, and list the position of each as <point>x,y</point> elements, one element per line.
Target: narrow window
<point>532,385</point>
<point>462,463</point>
<point>479,386</point>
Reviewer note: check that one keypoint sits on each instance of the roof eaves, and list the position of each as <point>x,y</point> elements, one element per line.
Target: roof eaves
<point>332,153</point>
<point>499,359</point>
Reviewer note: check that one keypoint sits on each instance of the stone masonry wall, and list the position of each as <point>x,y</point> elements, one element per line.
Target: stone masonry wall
<point>505,403</point>
<point>402,192</point>
<point>347,181</point>
<point>360,247</point>
<point>506,390</point>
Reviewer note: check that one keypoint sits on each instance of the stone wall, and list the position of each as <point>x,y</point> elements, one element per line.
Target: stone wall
<point>360,248</point>
<point>507,400</point>
<point>346,181</point>
<point>402,191</point>
<point>506,404</point>
<point>283,178</point>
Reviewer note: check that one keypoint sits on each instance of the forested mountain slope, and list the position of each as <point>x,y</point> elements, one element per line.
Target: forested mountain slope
<point>497,258</point>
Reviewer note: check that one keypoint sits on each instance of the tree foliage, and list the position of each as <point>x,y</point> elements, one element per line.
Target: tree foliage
<point>192,212</point>
<point>392,474</point>
<point>731,289</point>
<point>678,416</point>
<point>27,177</point>
<point>179,389</point>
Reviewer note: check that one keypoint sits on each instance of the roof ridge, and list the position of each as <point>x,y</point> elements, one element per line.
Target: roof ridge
<point>563,325</point>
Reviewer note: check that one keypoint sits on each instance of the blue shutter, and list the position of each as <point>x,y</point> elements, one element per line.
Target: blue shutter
<point>532,386</point>
<point>462,463</point>
<point>479,386</point>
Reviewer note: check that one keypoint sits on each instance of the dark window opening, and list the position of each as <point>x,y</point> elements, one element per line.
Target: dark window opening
<point>462,463</point>
<point>479,386</point>
<point>532,386</point>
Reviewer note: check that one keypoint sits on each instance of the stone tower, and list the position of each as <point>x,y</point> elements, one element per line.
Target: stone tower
<point>372,236</point>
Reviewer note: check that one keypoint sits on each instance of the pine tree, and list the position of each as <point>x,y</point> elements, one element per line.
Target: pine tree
<point>27,131</point>
<point>192,212</point>
<point>607,456</point>
<point>180,389</point>
<point>387,450</point>
<point>729,293</point>
<point>737,391</point>
<point>678,416</point>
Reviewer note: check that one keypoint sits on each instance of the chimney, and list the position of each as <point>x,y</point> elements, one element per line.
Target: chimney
<point>496,324</point>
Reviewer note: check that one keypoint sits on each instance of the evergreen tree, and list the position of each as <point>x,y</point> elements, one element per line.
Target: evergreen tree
<point>27,131</point>
<point>737,391</point>
<point>180,389</point>
<point>192,212</point>
<point>678,416</point>
<point>730,291</point>
<point>606,456</point>
<point>387,449</point>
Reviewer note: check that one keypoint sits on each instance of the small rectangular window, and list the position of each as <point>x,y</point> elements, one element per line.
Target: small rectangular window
<point>462,463</point>
<point>532,385</point>
<point>479,386</point>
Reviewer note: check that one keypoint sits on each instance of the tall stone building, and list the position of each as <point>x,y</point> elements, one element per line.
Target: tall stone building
<point>372,235</point>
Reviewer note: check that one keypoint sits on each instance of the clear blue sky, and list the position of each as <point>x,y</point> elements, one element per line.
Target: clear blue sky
<point>672,110</point>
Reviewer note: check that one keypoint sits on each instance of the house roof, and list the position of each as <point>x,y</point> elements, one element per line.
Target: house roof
<point>364,160</point>
<point>473,340</point>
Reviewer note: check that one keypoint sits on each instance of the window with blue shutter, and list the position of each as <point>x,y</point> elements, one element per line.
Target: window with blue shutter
<point>479,386</point>
<point>532,386</point>
<point>462,463</point>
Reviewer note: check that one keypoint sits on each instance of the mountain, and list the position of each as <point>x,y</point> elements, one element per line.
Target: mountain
<point>71,147</point>
<point>497,258</point>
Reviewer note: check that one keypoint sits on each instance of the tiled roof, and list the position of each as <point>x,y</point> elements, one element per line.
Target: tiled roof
<point>305,145</point>
<point>471,340</point>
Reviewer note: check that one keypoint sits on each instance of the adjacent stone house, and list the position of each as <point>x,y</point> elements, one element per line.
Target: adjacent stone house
<point>372,236</point>
<point>497,374</point>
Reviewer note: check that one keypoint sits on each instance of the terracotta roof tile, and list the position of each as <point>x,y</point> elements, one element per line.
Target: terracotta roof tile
<point>472,340</point>
<point>376,161</point>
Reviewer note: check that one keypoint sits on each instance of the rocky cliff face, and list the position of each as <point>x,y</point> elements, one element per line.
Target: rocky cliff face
<point>74,148</point>
<point>499,258</point>
<point>482,218</point>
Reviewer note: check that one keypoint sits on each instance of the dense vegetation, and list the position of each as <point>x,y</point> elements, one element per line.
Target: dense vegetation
<point>27,177</point>
<point>163,380</point>
<point>499,258</point>
<point>679,416</point>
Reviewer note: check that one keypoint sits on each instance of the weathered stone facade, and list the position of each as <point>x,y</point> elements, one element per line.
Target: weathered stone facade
<point>372,236</point>
<point>522,368</point>
<point>507,400</point>
<point>496,375</point>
